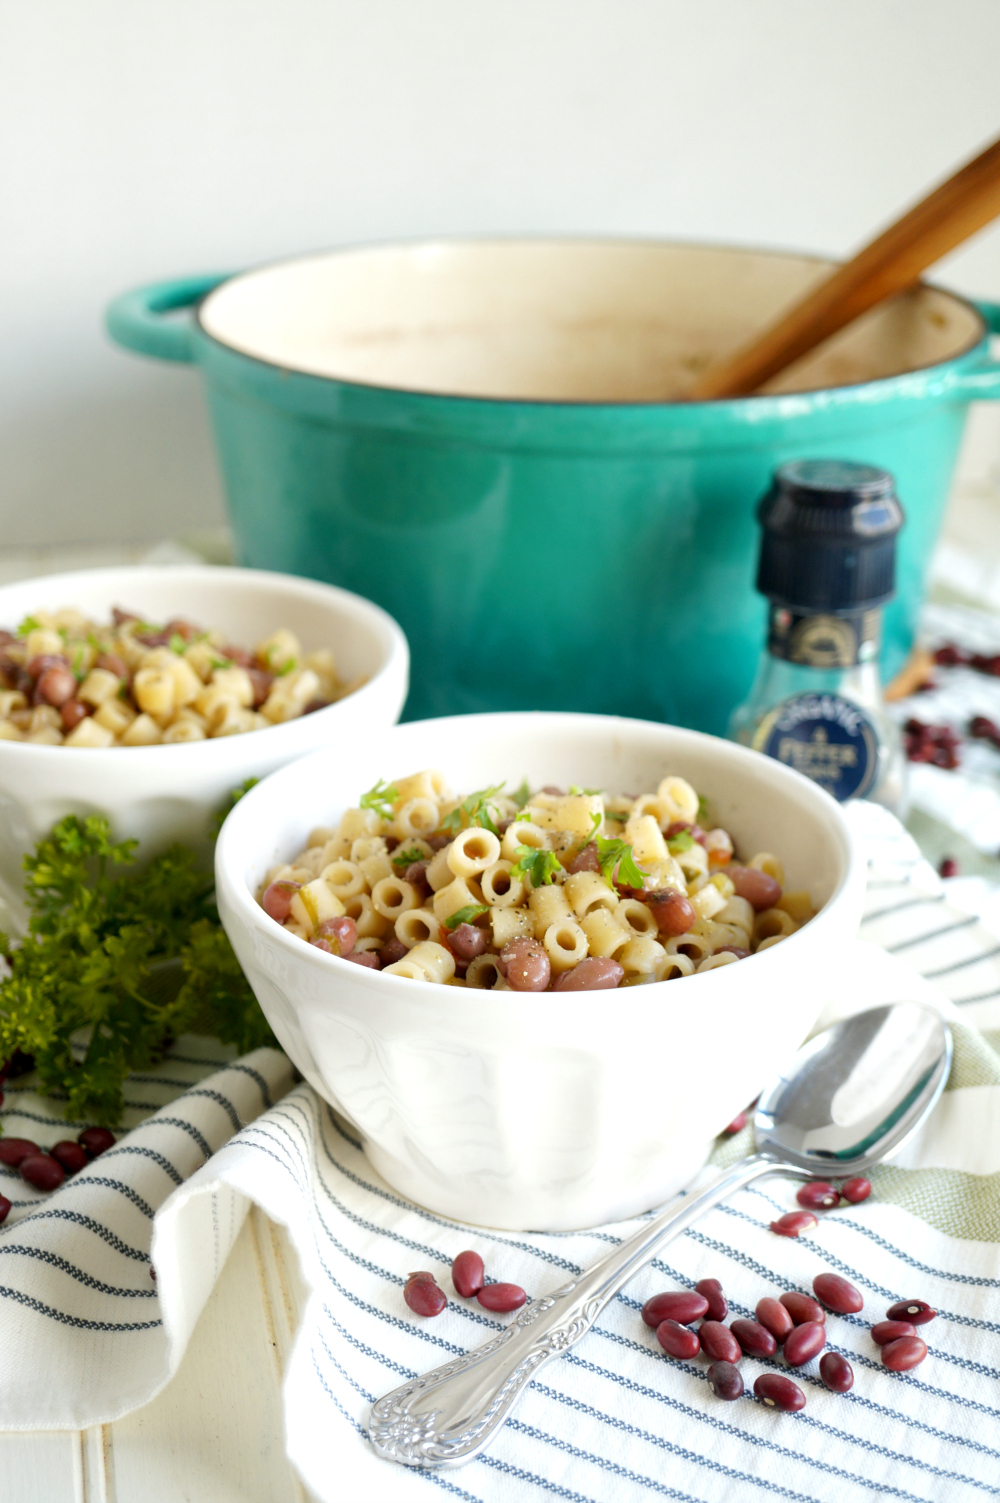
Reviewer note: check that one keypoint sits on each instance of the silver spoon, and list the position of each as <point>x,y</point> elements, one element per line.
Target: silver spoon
<point>851,1098</point>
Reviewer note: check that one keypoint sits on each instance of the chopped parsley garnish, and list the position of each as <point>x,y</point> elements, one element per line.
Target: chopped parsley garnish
<point>177,643</point>
<point>681,842</point>
<point>590,792</point>
<point>29,624</point>
<point>538,866</point>
<point>286,668</point>
<point>465,915</point>
<point>380,797</point>
<point>79,672</point>
<point>618,853</point>
<point>220,662</point>
<point>474,810</point>
<point>521,795</point>
<point>702,811</point>
<point>402,859</point>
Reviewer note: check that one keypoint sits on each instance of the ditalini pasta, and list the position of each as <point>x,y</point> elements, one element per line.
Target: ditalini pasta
<point>67,681</point>
<point>551,889</point>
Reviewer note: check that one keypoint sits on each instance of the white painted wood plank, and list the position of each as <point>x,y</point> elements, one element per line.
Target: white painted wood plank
<point>40,1466</point>
<point>215,1434</point>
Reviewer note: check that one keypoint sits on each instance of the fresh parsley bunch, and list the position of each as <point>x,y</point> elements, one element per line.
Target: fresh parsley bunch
<point>117,961</point>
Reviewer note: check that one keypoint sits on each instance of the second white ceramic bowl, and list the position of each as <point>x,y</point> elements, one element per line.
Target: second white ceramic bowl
<point>159,794</point>
<point>542,1110</point>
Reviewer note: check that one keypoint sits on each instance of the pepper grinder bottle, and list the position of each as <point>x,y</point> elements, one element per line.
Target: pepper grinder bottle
<point>827,566</point>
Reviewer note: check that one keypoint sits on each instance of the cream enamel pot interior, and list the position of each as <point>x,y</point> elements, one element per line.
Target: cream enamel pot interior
<point>551,1110</point>
<point>159,794</point>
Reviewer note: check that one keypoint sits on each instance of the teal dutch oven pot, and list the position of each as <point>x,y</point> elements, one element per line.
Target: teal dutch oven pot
<point>486,438</point>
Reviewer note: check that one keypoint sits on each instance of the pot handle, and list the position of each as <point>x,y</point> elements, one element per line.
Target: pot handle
<point>981,384</point>
<point>135,319</point>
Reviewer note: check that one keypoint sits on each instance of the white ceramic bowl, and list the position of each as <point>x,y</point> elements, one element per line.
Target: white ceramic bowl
<point>553,1110</point>
<point>158,794</point>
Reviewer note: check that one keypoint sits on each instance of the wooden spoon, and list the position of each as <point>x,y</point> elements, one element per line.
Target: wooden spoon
<point>891,263</point>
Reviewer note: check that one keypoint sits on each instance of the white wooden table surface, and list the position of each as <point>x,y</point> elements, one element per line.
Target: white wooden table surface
<point>215,1433</point>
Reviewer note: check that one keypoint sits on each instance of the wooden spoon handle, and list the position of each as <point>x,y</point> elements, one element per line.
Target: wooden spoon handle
<point>892,262</point>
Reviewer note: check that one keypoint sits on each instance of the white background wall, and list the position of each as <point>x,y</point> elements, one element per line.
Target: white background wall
<point>141,139</point>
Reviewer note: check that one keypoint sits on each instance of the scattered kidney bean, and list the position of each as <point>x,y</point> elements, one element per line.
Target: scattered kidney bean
<point>837,1294</point>
<point>56,685</point>
<point>718,1305</point>
<point>885,1331</point>
<point>779,1392</point>
<point>737,1124</point>
<point>677,1340</point>
<point>836,1372</point>
<point>718,1342</point>
<point>369,958</point>
<point>392,951</point>
<point>43,661</point>
<point>260,681</point>
<point>42,1171</point>
<point>856,1190</point>
<point>949,867</point>
<point>501,1297</point>
<point>71,1156</point>
<point>423,1294</point>
<point>774,1317</point>
<point>682,1305</point>
<point>114,664</point>
<point>525,965</point>
<point>96,1140</point>
<point>13,1150</point>
<point>586,860</point>
<point>4,1208</point>
<point>793,1223</point>
<point>596,973</point>
<point>906,1352</point>
<point>818,1196</point>
<point>804,1342</point>
<point>468,1274</point>
<point>726,1381</point>
<point>917,1311</point>
<point>277,899</point>
<point>467,941</point>
<point>802,1308</point>
<point>341,934</point>
<point>672,910</point>
<point>71,713</point>
<point>755,1340</point>
<point>760,890</point>
<point>736,950</point>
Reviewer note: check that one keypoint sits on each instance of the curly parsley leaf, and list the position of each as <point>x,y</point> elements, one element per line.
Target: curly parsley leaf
<point>681,842</point>
<point>465,915</point>
<point>702,811</point>
<point>590,792</point>
<point>522,794</point>
<point>29,624</point>
<point>380,797</point>
<point>402,859</point>
<point>538,866</point>
<point>612,854</point>
<point>478,809</point>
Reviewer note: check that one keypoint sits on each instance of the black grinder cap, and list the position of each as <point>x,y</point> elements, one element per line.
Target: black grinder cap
<point>829,536</point>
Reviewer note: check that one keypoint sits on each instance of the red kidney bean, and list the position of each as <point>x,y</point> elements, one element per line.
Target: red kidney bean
<point>468,1274</point>
<point>7,638</point>
<point>837,1294</point>
<point>718,1305</point>
<point>774,1317</point>
<point>793,1223</point>
<point>525,965</point>
<point>718,1342</point>
<point>677,1340</point>
<point>277,899</point>
<point>423,1294</point>
<point>818,1196</point>
<point>42,661</point>
<point>240,656</point>
<point>900,1355</point>
<point>755,1339</point>
<point>42,1171</point>
<point>680,827</point>
<point>856,1190</point>
<point>261,682</point>
<point>596,973</point>
<point>113,664</point>
<point>917,1311</point>
<point>392,951</point>
<point>779,1392</point>
<point>71,1156</point>
<point>177,626</point>
<point>13,1150</point>
<point>884,1331</point>
<point>836,1372</point>
<point>804,1342</point>
<point>737,1124</point>
<point>760,890</point>
<point>71,713</point>
<point>96,1140</point>
<point>4,1208</point>
<point>682,1305</point>
<point>56,685</point>
<point>467,941</point>
<point>585,860</point>
<point>342,933</point>
<point>736,950</point>
<point>726,1381</point>
<point>501,1297</point>
<point>672,910</point>
<point>154,638</point>
<point>416,875</point>
<point>312,705</point>
<point>802,1308</point>
<point>119,617</point>
<point>367,958</point>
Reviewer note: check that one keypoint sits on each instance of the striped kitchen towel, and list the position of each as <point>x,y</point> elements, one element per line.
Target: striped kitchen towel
<point>614,1419</point>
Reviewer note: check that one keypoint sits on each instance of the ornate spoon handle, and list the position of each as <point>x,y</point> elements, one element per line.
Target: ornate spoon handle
<point>447,1416</point>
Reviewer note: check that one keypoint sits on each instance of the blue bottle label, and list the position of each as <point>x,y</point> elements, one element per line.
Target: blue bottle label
<point>827,738</point>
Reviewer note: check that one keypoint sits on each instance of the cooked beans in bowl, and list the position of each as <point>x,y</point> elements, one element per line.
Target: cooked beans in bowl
<point>66,680</point>
<point>554,889</point>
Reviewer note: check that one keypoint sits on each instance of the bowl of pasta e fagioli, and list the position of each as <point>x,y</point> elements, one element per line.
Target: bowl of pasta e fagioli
<point>596,938</point>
